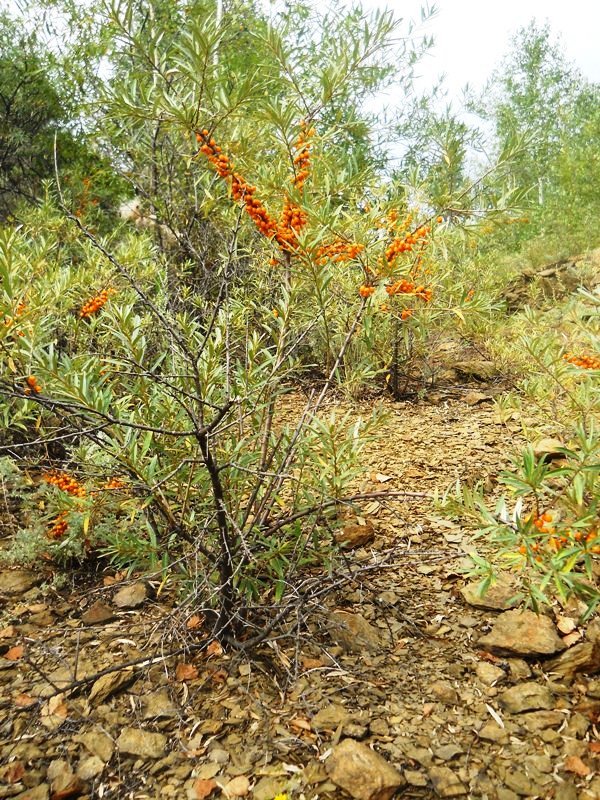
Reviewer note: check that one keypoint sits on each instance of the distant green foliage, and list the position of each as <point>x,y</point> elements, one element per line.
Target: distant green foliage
<point>31,115</point>
<point>538,95</point>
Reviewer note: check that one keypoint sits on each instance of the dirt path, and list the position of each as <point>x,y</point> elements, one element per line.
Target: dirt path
<point>410,682</point>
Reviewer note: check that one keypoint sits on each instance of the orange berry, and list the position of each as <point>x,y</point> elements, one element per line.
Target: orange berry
<point>366,291</point>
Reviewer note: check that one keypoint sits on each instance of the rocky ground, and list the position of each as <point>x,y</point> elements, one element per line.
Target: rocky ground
<point>407,685</point>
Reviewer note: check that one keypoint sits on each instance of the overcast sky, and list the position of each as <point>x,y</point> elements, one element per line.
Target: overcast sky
<point>471,36</point>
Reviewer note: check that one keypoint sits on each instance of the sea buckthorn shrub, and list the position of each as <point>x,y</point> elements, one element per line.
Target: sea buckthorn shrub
<point>153,436</point>
<point>151,410</point>
<point>545,525</point>
<point>393,260</point>
<point>265,155</point>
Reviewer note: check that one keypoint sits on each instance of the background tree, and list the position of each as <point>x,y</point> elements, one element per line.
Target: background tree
<point>437,145</point>
<point>532,94</point>
<point>31,115</point>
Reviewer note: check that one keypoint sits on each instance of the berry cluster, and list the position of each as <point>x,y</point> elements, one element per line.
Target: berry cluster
<point>407,287</point>
<point>214,154</point>
<point>338,252</point>
<point>424,293</point>
<point>66,483</point>
<point>302,157</point>
<point>114,483</point>
<point>400,287</point>
<point>240,189</point>
<point>391,224</point>
<point>293,218</point>
<point>94,304</point>
<point>59,528</point>
<point>8,320</point>
<point>255,208</point>
<point>366,291</point>
<point>567,538</point>
<point>585,362</point>
<point>406,243</point>
<point>33,386</point>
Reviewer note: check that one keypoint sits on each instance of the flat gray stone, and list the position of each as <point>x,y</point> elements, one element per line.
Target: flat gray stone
<point>478,368</point>
<point>528,696</point>
<point>499,596</point>
<point>542,720</point>
<point>131,596</point>
<point>583,657</point>
<point>329,718</point>
<point>444,692</point>
<point>362,772</point>
<point>89,768</point>
<point>447,752</point>
<point>524,633</point>
<point>41,792</point>
<point>446,783</point>
<point>97,614</point>
<point>492,732</point>
<point>98,743</point>
<point>141,743</point>
<point>488,674</point>
<point>159,705</point>
<point>18,581</point>
<point>354,633</point>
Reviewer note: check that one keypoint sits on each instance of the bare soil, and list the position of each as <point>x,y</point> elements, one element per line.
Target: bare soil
<point>420,691</point>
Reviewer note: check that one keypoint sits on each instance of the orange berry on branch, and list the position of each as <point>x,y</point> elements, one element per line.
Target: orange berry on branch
<point>366,291</point>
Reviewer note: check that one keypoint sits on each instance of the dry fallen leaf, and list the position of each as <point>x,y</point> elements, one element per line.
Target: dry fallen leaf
<point>110,684</point>
<point>301,724</point>
<point>8,632</point>
<point>312,663</point>
<point>24,701</point>
<point>219,676</point>
<point>483,654</point>
<point>378,477</point>
<point>237,787</point>
<point>214,649</point>
<point>595,747</point>
<point>67,786</point>
<point>571,638</point>
<point>14,772</point>
<point>15,653</point>
<point>186,672</point>
<point>566,625</point>
<point>576,765</point>
<point>372,508</point>
<point>204,787</point>
<point>195,621</point>
<point>54,713</point>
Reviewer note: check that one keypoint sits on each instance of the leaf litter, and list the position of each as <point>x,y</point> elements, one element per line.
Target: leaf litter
<point>208,724</point>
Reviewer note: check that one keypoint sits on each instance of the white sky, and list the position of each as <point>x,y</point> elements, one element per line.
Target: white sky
<point>471,36</point>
